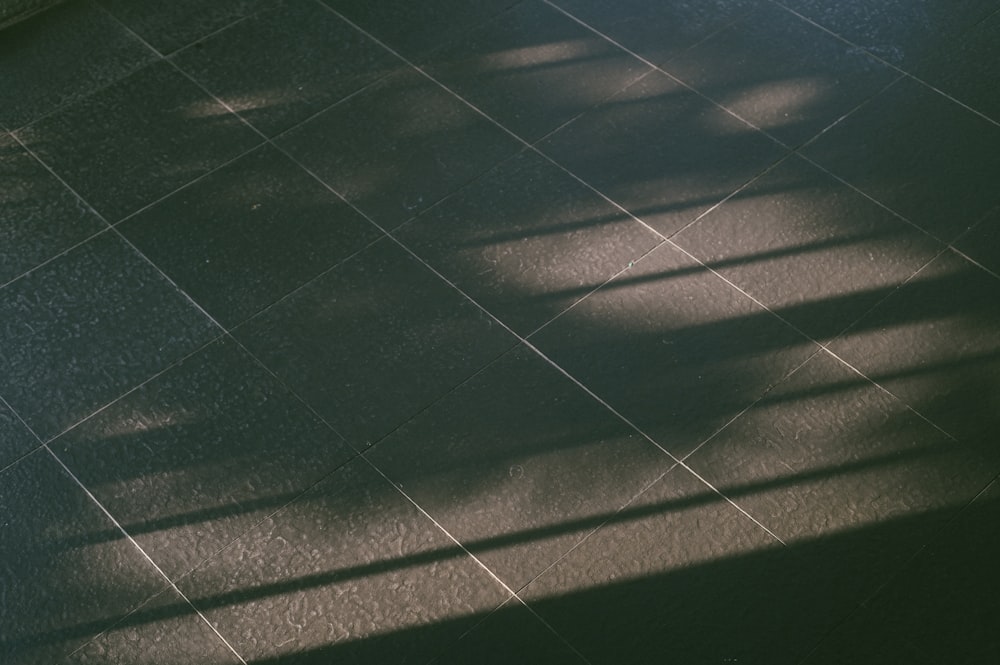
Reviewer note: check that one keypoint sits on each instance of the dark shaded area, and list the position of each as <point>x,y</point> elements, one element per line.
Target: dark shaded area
<point>530,351</point>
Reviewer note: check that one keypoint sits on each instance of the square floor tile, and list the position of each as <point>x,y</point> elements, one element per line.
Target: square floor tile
<point>942,607</point>
<point>781,74</point>
<point>415,28</point>
<point>164,630</point>
<point>169,26</point>
<point>194,458</point>
<point>681,575</point>
<point>350,573</point>
<point>657,31</point>
<point>827,452</point>
<point>673,348</point>
<point>512,634</point>
<point>248,234</point>
<point>87,327</point>
<point>374,341</point>
<point>39,217</point>
<point>61,586</point>
<point>966,68</point>
<point>934,344</point>
<point>278,67</point>
<point>920,154</point>
<point>533,68</point>
<point>808,247</point>
<point>662,152</point>
<point>138,140</point>
<point>398,147</point>
<point>527,240</point>
<point>15,438</point>
<point>982,243</point>
<point>898,31</point>
<point>519,465</point>
<point>61,55</point>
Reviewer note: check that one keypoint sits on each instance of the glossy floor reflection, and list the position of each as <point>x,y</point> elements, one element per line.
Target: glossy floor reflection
<point>536,331</point>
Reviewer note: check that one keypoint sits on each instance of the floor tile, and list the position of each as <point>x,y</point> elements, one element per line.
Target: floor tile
<point>533,68</point>
<point>199,455</point>
<point>39,217</point>
<point>415,28</point>
<point>781,74</point>
<point>657,31</point>
<point>374,341</point>
<point>278,67</point>
<point>15,438</point>
<point>934,344</point>
<point>662,152</point>
<point>681,573</point>
<point>920,154</point>
<point>55,576</point>
<point>398,147</point>
<point>248,234</point>
<point>966,68</point>
<point>86,328</point>
<point>673,348</point>
<point>519,465</point>
<point>61,55</point>
<point>350,573</point>
<point>943,605</point>
<point>898,31</point>
<point>982,243</point>
<point>527,240</point>
<point>170,26</point>
<point>164,630</point>
<point>510,635</point>
<point>953,582</point>
<point>808,247</point>
<point>826,452</point>
<point>138,140</point>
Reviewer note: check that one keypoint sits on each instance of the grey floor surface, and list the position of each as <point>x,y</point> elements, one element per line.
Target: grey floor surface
<point>486,331</point>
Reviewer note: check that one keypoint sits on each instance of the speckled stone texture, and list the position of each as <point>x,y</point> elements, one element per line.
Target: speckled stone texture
<point>549,332</point>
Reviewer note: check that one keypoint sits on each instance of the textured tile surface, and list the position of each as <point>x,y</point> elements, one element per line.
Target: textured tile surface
<point>934,344</point>
<point>827,452</point>
<point>60,56</point>
<point>398,147</point>
<point>920,154</point>
<point>415,28</point>
<point>55,576</point>
<point>898,31</point>
<point>278,67</point>
<point>248,234</point>
<point>15,438</point>
<point>511,635</point>
<point>106,148</point>
<point>352,573</point>
<point>657,31</point>
<point>87,327</point>
<point>166,629</point>
<point>952,582</point>
<point>527,240</point>
<point>781,74</point>
<point>170,26</point>
<point>519,465</point>
<point>373,342</point>
<point>39,217</point>
<point>199,455</point>
<point>533,68</point>
<point>662,152</point>
<point>808,247</point>
<point>982,243</point>
<point>673,348</point>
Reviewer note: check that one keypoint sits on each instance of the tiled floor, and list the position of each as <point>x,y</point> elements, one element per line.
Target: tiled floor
<point>498,331</point>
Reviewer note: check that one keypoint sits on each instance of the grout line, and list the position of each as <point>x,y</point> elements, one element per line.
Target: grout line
<point>131,540</point>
